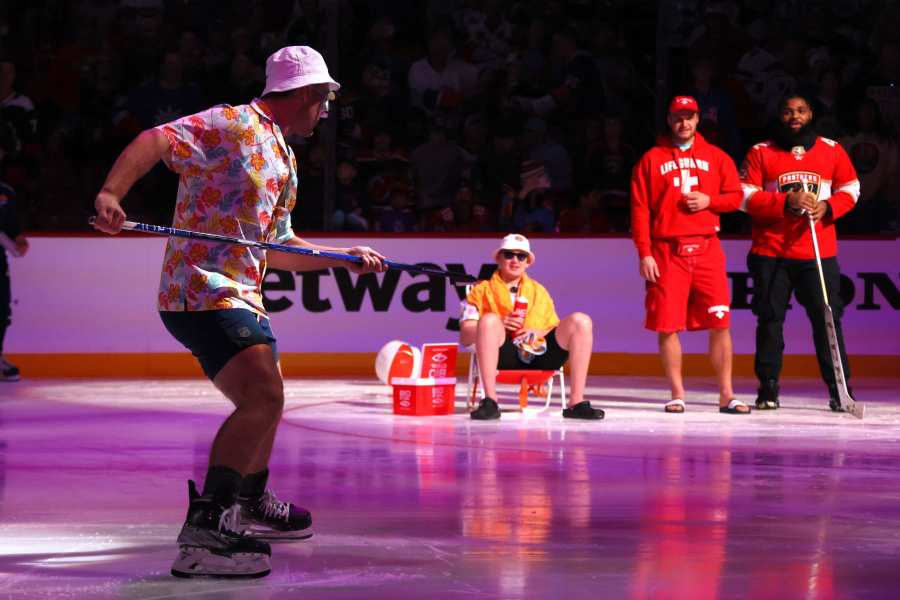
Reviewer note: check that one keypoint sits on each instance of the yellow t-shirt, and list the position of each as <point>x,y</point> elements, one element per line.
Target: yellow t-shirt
<point>493,296</point>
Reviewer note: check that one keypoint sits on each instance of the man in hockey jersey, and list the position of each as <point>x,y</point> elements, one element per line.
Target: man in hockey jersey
<point>678,190</point>
<point>788,180</point>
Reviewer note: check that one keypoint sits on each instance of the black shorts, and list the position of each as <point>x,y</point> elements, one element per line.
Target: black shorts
<point>552,359</point>
<point>215,336</point>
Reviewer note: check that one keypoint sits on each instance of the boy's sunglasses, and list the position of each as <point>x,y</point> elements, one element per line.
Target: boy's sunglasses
<point>509,255</point>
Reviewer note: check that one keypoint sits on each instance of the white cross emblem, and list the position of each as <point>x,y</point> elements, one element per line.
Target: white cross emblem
<point>718,310</point>
<point>686,181</point>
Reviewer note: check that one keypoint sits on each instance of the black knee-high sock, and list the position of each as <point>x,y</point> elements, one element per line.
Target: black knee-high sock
<point>254,484</point>
<point>222,483</point>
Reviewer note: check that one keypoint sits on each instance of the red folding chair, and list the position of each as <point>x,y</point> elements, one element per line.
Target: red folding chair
<point>538,383</point>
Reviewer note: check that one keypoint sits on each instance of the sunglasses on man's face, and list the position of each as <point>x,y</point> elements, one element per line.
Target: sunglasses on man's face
<point>325,105</point>
<point>509,255</point>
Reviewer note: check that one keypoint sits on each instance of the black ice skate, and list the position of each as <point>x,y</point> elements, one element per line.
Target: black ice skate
<point>267,517</point>
<point>8,371</point>
<point>767,395</point>
<point>211,544</point>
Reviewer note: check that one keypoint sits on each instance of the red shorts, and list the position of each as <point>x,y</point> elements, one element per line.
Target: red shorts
<point>692,289</point>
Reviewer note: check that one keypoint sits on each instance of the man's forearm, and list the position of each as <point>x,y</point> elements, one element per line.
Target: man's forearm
<point>296,241</point>
<point>289,261</point>
<point>135,161</point>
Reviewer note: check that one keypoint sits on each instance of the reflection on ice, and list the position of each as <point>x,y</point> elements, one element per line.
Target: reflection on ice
<point>640,505</point>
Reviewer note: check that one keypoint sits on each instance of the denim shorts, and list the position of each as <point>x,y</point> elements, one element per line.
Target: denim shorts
<point>215,336</point>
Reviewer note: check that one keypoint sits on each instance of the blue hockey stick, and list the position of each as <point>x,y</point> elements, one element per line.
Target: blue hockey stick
<point>212,237</point>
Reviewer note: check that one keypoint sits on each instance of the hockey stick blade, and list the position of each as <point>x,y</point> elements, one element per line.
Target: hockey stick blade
<point>848,404</point>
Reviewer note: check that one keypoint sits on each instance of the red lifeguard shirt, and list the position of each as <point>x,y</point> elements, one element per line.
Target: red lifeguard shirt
<point>661,178</point>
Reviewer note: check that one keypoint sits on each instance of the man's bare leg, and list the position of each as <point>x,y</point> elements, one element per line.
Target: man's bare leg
<point>491,335</point>
<point>575,334</point>
<point>261,462</point>
<point>670,353</point>
<point>720,355</point>
<point>252,382</point>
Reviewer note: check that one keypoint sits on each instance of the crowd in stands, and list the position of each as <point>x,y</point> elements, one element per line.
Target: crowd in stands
<point>454,115</point>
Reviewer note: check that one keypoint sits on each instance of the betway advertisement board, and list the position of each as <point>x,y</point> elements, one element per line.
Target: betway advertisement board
<point>95,294</point>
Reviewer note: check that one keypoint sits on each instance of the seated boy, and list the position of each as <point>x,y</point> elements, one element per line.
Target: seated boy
<point>539,340</point>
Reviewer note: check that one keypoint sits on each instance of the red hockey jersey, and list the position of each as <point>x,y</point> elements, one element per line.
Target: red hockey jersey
<point>769,173</point>
<point>662,177</point>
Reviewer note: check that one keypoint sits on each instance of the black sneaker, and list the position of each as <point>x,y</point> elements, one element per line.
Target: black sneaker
<point>211,544</point>
<point>487,410</point>
<point>583,410</point>
<point>835,402</point>
<point>767,395</point>
<point>8,371</point>
<point>267,517</point>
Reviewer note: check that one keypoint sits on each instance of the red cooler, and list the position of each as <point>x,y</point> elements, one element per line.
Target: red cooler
<point>418,396</point>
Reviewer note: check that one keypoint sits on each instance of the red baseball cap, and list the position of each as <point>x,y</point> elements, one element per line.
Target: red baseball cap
<point>680,103</point>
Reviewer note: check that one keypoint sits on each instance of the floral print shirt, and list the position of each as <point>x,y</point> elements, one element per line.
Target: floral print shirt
<point>234,168</point>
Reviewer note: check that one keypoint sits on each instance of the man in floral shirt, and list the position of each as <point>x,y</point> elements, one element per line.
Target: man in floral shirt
<point>238,178</point>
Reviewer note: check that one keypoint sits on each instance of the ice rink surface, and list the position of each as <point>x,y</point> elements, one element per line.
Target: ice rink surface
<point>794,503</point>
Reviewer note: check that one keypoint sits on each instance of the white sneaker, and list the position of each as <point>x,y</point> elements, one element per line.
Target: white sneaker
<point>8,371</point>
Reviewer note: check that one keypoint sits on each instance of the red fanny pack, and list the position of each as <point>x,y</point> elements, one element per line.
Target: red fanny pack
<point>691,246</point>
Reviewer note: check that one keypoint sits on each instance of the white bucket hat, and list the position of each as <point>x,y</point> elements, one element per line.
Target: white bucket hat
<point>515,241</point>
<point>293,67</point>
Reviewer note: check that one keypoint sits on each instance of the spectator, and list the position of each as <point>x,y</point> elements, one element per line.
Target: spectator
<point>575,87</point>
<point>18,246</point>
<point>469,214</point>
<point>757,69</point>
<point>350,205</point>
<point>381,106</point>
<point>719,37</point>
<point>166,97</point>
<point>607,167</point>
<point>437,167</point>
<point>827,105</point>
<point>440,83</point>
<point>487,33</point>
<point>192,53</point>
<point>309,215</point>
<point>717,122</point>
<point>553,155</point>
<point>382,166</point>
<point>499,165</point>
<point>586,217</point>
<point>244,81</point>
<point>873,150</point>
<point>398,216</point>
<point>18,126</point>
<point>882,84</point>
<point>536,213</point>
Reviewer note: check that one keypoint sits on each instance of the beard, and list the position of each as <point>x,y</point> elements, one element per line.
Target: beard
<point>787,138</point>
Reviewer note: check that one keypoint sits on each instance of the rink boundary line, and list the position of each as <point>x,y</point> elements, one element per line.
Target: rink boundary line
<point>348,364</point>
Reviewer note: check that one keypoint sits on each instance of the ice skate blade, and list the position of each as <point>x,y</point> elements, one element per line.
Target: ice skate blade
<point>193,562</point>
<point>273,535</point>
